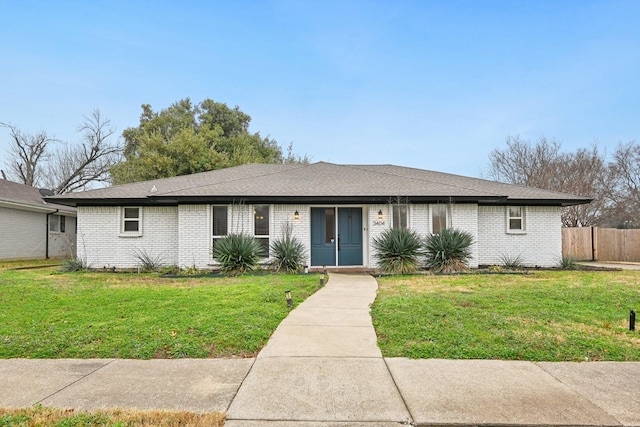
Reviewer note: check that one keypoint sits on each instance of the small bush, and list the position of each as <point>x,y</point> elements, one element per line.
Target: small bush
<point>512,262</point>
<point>568,263</point>
<point>237,253</point>
<point>288,253</point>
<point>398,250</point>
<point>449,251</point>
<point>147,262</point>
<point>73,265</point>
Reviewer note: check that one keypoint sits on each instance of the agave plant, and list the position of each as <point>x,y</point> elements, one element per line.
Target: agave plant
<point>398,250</point>
<point>237,253</point>
<point>288,253</point>
<point>449,250</point>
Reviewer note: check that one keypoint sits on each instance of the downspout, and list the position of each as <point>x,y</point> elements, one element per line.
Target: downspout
<point>46,241</point>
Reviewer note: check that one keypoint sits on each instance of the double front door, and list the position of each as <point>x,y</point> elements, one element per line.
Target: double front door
<point>336,239</point>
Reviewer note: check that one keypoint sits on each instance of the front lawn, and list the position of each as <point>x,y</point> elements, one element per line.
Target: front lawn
<point>46,314</point>
<point>544,316</point>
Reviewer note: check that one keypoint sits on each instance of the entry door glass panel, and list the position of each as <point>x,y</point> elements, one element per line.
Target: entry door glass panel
<point>323,238</point>
<point>349,236</point>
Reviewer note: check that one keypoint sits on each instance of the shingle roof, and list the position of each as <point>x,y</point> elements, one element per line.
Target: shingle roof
<point>318,182</point>
<point>22,196</point>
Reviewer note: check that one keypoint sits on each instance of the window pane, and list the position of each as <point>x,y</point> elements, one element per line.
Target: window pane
<point>439,218</point>
<point>261,220</point>
<point>515,224</point>
<point>53,223</point>
<point>399,216</point>
<point>219,220</point>
<point>131,213</point>
<point>63,224</point>
<point>515,211</point>
<point>330,224</point>
<point>265,247</point>
<point>131,226</point>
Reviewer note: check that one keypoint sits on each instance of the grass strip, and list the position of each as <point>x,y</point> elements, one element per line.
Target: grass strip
<point>546,316</point>
<point>84,315</point>
<point>41,416</point>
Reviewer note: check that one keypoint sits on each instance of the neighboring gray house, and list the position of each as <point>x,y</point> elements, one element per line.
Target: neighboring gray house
<point>336,210</point>
<point>33,228</point>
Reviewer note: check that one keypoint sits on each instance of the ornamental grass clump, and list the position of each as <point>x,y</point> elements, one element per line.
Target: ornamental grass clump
<point>398,250</point>
<point>237,254</point>
<point>449,250</point>
<point>288,253</point>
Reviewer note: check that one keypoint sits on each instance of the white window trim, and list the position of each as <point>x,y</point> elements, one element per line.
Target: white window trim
<point>55,219</point>
<point>122,221</point>
<point>523,219</point>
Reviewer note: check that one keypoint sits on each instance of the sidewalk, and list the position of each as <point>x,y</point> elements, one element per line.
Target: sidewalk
<point>322,367</point>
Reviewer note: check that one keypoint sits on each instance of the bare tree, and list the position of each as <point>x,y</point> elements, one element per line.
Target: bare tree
<point>28,152</point>
<point>542,165</point>
<point>626,167</point>
<point>76,167</point>
<point>68,168</point>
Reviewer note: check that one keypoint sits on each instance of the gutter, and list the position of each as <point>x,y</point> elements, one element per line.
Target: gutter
<point>46,244</point>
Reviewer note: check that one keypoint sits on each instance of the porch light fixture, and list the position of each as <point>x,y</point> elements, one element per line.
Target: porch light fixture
<point>380,220</point>
<point>296,215</point>
<point>380,215</point>
<point>287,295</point>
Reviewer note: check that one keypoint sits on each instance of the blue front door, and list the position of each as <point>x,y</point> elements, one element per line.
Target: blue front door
<point>336,241</point>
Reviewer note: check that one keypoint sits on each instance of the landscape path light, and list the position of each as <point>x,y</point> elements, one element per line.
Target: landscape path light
<point>287,295</point>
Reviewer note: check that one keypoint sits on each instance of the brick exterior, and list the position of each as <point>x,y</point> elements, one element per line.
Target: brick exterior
<point>23,235</point>
<point>540,244</point>
<point>183,235</point>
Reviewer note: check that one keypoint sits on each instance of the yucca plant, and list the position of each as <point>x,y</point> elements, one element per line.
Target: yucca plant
<point>398,250</point>
<point>237,253</point>
<point>288,253</point>
<point>449,250</point>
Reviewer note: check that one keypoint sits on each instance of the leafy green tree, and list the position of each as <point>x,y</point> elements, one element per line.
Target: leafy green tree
<point>186,138</point>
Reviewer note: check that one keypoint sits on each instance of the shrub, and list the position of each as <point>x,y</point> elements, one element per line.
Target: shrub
<point>73,265</point>
<point>148,262</point>
<point>568,263</point>
<point>448,251</point>
<point>512,262</point>
<point>288,253</point>
<point>398,250</point>
<point>237,253</point>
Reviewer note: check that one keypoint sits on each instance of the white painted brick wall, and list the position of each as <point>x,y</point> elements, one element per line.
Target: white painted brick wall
<point>194,236</point>
<point>541,245</point>
<point>63,244</point>
<point>101,244</point>
<point>182,235</point>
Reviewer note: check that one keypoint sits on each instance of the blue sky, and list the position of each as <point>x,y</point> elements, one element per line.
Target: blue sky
<point>428,84</point>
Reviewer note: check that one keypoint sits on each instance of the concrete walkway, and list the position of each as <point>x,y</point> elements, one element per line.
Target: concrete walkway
<point>322,367</point>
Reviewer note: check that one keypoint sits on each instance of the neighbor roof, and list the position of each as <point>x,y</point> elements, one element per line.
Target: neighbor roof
<point>25,197</point>
<point>317,183</point>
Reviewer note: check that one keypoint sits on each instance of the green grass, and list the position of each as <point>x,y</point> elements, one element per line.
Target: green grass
<point>46,314</point>
<point>38,416</point>
<point>545,316</point>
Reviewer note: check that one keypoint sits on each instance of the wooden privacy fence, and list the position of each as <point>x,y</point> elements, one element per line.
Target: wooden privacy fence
<point>601,244</point>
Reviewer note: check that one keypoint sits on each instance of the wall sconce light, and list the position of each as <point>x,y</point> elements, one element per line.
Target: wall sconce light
<point>287,295</point>
<point>296,215</point>
<point>380,220</point>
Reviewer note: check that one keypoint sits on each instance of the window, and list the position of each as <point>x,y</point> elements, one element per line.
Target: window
<point>63,223</point>
<point>56,224</point>
<point>220,224</point>
<point>515,218</point>
<point>438,218</point>
<point>131,220</point>
<point>400,216</point>
<point>261,227</point>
